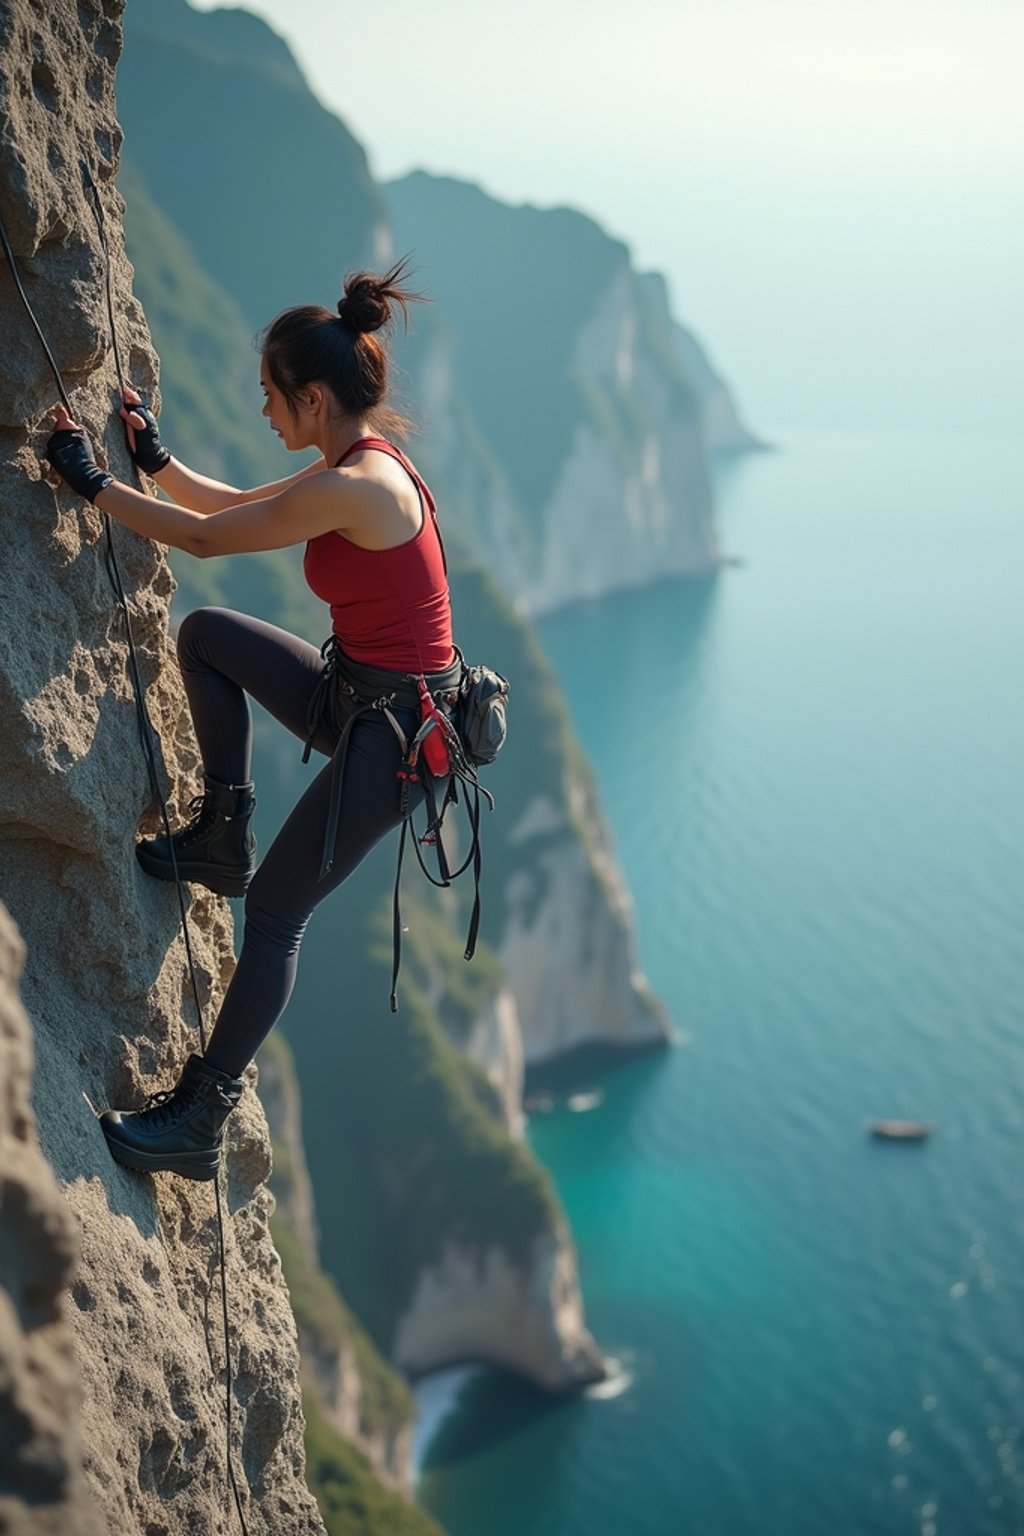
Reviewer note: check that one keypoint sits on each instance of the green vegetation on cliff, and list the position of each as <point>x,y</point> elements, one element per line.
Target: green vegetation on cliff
<point>334,1348</point>
<point>400,1127</point>
<point>352,1501</point>
<point>519,286</point>
<point>326,1325</point>
<point>271,189</point>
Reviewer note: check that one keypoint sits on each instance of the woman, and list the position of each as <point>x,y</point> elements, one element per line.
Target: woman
<point>374,553</point>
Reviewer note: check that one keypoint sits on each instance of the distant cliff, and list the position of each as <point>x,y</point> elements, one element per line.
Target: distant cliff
<point>571,415</point>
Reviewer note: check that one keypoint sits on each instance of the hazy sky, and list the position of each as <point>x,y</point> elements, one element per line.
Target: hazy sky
<point>834,188</point>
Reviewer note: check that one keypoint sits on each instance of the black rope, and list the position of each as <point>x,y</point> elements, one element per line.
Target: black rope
<point>31,314</point>
<point>148,739</point>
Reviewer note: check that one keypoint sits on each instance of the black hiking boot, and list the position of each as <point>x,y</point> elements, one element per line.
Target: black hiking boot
<point>180,1128</point>
<point>217,849</point>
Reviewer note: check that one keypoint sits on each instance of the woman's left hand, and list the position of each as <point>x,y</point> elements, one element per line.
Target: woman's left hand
<point>142,433</point>
<point>70,452</point>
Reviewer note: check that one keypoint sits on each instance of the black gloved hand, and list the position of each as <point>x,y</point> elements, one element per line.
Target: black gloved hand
<point>147,450</point>
<point>70,453</point>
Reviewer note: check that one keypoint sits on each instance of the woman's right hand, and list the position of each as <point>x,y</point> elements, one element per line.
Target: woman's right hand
<point>142,433</point>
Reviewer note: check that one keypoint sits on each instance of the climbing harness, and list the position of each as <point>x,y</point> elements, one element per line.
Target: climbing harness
<point>433,757</point>
<point>148,738</point>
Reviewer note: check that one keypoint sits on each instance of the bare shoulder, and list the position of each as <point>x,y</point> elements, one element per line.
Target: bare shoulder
<point>382,503</point>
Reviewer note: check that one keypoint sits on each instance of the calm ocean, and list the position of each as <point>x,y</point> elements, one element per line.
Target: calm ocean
<point>814,769</point>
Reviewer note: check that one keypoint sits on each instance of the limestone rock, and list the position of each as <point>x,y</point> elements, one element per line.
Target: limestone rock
<point>106,982</point>
<point>568,937</point>
<point>477,1305</point>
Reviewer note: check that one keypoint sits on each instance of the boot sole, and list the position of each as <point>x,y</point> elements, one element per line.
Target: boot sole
<point>201,1166</point>
<point>213,876</point>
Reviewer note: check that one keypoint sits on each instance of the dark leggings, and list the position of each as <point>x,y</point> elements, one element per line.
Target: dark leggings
<point>224,656</point>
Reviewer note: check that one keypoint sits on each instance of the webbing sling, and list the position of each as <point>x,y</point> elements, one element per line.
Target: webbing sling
<point>148,738</point>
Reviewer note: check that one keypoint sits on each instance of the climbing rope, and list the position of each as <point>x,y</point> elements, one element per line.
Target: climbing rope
<point>148,739</point>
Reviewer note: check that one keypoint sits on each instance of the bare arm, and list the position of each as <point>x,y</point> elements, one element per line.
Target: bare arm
<point>307,506</point>
<point>200,494</point>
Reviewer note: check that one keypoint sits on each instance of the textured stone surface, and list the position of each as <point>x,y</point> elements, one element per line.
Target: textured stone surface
<point>41,1485</point>
<point>105,980</point>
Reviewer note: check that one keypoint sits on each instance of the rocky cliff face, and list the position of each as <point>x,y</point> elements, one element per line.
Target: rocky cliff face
<point>105,979</point>
<point>42,1488</point>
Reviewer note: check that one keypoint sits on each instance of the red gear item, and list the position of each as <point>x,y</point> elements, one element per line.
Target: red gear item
<point>434,749</point>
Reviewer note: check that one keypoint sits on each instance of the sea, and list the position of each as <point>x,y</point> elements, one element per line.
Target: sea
<point>813,768</point>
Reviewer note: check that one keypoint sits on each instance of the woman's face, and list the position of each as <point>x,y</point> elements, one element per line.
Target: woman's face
<point>275,408</point>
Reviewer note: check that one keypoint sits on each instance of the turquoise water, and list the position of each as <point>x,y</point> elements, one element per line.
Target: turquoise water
<point>813,770</point>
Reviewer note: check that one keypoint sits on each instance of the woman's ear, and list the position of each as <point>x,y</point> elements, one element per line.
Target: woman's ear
<point>314,397</point>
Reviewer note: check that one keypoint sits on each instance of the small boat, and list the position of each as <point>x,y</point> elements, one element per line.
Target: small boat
<point>901,1130</point>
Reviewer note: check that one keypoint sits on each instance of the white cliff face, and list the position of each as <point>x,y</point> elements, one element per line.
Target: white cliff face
<point>480,507</point>
<point>476,1304</point>
<point>632,503</point>
<point>568,941</point>
<point>495,1044</point>
<point>335,1377</point>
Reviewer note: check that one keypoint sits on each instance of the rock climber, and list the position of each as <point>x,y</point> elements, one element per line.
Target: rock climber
<point>373,552</point>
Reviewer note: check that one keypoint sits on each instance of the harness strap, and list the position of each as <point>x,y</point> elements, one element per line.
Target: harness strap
<point>338,777</point>
<point>368,688</point>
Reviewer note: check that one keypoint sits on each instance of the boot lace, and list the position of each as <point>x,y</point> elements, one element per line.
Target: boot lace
<point>202,814</point>
<point>161,1107</point>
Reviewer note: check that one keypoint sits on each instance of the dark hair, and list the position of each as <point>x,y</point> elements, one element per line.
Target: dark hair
<point>310,345</point>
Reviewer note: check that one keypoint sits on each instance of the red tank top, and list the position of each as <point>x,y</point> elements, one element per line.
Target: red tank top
<point>389,607</point>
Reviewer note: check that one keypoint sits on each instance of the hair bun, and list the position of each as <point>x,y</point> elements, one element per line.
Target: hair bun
<point>365,306</point>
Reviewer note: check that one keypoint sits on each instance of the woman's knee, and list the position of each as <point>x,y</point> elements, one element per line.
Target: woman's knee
<point>269,920</point>
<point>197,632</point>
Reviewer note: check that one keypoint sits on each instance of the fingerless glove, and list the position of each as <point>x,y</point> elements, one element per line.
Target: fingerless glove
<point>71,455</point>
<point>149,452</point>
